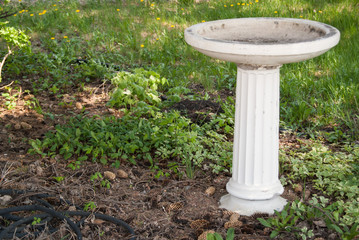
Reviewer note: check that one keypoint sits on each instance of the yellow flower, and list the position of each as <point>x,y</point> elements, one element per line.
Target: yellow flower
<point>141,0</point>
<point>320,11</point>
<point>157,39</point>
<point>77,10</point>
<point>152,4</point>
<point>182,9</point>
<point>65,37</point>
<point>68,41</point>
<point>31,14</point>
<point>203,21</point>
<point>243,4</point>
<point>275,11</point>
<point>55,9</point>
<point>43,12</point>
<point>40,13</point>
<point>172,26</point>
<point>54,5</point>
<point>238,4</point>
<point>257,1</point>
<point>117,10</point>
<point>14,15</point>
<point>225,5</point>
<point>231,5</point>
<point>142,46</point>
<point>52,38</point>
<point>26,10</point>
<point>301,16</point>
<point>158,18</point>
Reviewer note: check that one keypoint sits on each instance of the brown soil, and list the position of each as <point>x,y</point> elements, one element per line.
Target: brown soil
<point>165,208</point>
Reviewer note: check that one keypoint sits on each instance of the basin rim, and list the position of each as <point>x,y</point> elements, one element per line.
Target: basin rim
<point>318,45</point>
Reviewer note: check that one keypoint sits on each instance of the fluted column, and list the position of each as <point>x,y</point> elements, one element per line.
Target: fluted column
<point>256,134</point>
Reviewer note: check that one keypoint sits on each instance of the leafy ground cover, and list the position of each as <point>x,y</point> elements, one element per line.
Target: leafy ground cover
<point>113,87</point>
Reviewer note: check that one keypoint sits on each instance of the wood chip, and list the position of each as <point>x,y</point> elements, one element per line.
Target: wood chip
<point>234,217</point>
<point>175,206</point>
<point>235,224</point>
<point>199,224</point>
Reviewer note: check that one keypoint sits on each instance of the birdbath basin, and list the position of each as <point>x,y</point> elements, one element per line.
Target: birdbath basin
<point>259,46</point>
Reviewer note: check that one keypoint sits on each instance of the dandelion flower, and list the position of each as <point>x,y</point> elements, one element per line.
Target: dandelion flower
<point>52,38</point>
<point>117,10</point>
<point>65,37</point>
<point>238,4</point>
<point>231,5</point>
<point>77,10</point>
<point>225,5</point>
<point>243,4</point>
<point>31,14</point>
<point>14,15</point>
<point>54,5</point>
<point>55,9</point>
<point>301,16</point>
<point>203,20</point>
<point>320,11</point>
<point>257,1</point>
<point>157,39</point>
<point>141,0</point>
<point>172,26</point>
<point>152,4</point>
<point>158,18</point>
<point>142,46</point>
<point>275,11</point>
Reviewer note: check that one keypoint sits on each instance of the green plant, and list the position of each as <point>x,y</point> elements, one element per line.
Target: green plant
<point>10,98</point>
<point>59,178</point>
<point>97,177</point>
<point>36,221</point>
<point>90,206</point>
<point>15,39</point>
<point>132,88</point>
<point>217,236</point>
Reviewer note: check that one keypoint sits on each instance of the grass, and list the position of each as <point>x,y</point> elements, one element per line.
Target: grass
<point>316,95</point>
<point>319,97</point>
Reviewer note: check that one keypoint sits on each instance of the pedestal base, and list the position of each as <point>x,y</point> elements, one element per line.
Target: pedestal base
<point>248,207</point>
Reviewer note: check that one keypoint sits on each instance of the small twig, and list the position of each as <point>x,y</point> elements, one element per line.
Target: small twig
<point>3,60</point>
<point>8,85</point>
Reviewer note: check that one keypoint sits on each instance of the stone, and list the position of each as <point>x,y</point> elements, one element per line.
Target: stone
<point>25,125</point>
<point>109,175</point>
<point>78,105</point>
<point>122,174</point>
<point>210,191</point>
<point>4,200</point>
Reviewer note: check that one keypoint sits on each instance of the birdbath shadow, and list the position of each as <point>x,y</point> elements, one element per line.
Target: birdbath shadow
<point>259,46</point>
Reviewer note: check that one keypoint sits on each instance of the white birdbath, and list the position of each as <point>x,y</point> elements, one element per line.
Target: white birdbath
<point>259,46</point>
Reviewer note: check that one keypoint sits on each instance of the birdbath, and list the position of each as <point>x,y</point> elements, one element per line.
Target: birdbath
<point>259,46</point>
